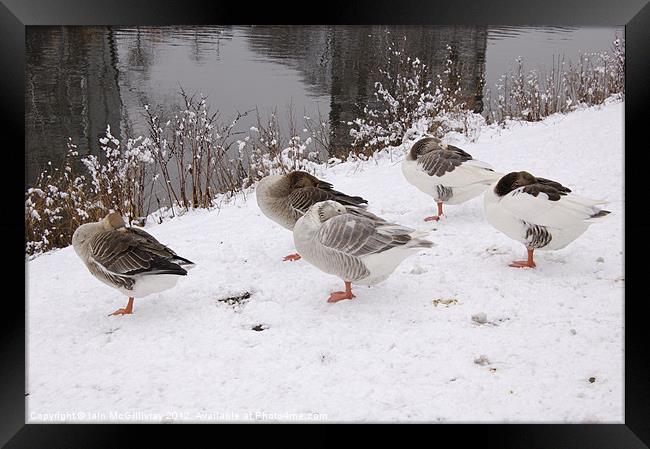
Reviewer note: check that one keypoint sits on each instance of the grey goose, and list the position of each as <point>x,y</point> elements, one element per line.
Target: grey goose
<point>127,258</point>
<point>355,245</point>
<point>286,198</point>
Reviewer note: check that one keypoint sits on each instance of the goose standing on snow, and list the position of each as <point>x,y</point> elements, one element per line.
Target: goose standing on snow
<point>538,212</point>
<point>357,247</point>
<point>127,259</point>
<point>286,198</point>
<point>445,172</point>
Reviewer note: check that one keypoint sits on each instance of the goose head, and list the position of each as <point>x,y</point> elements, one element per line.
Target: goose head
<point>512,181</point>
<point>84,232</point>
<point>299,179</point>
<point>423,146</point>
<point>282,185</point>
<point>324,210</point>
<point>113,221</point>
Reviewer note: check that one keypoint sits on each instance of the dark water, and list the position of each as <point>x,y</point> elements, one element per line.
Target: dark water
<point>78,79</point>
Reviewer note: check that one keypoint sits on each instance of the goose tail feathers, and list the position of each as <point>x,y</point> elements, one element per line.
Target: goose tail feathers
<point>418,239</point>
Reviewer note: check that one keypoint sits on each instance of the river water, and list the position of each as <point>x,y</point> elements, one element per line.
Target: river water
<point>78,79</point>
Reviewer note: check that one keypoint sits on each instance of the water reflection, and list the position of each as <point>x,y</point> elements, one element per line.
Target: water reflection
<point>72,90</point>
<point>78,79</point>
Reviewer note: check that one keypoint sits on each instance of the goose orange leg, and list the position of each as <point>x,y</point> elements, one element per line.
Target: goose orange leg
<point>126,310</point>
<point>347,294</point>
<point>435,217</point>
<point>524,263</point>
<point>292,257</point>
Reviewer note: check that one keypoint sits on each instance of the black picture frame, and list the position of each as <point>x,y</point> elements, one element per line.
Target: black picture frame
<point>633,14</point>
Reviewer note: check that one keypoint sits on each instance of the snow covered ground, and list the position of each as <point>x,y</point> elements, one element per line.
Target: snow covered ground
<point>552,346</point>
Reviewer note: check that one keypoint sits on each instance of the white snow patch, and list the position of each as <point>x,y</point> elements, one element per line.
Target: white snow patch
<point>389,354</point>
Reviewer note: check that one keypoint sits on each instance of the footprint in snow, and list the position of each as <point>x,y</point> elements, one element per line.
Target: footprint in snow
<point>494,250</point>
<point>237,302</point>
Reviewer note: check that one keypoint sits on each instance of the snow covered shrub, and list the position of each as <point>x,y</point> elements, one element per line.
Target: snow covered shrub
<point>263,145</point>
<point>118,182</point>
<point>58,203</point>
<point>319,131</point>
<point>526,95</point>
<point>598,75</point>
<point>617,67</point>
<point>192,154</point>
<point>61,199</point>
<point>408,94</point>
<point>520,95</point>
<point>187,160</point>
<point>266,151</point>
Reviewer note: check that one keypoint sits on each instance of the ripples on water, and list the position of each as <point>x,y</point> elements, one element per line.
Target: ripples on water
<point>78,79</point>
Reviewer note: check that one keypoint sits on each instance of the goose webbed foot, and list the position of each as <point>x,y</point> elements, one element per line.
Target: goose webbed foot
<point>435,217</point>
<point>291,257</point>
<point>530,263</point>
<point>338,296</point>
<point>124,311</point>
<point>522,264</point>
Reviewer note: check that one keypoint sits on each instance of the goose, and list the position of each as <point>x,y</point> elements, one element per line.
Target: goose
<point>127,259</point>
<point>286,198</point>
<point>538,212</point>
<point>445,172</point>
<point>356,246</point>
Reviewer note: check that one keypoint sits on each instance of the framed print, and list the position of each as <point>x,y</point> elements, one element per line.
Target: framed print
<point>412,213</point>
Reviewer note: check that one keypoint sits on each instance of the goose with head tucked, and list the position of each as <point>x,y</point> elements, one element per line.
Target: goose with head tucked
<point>356,246</point>
<point>445,172</point>
<point>538,212</point>
<point>127,258</point>
<point>286,198</point>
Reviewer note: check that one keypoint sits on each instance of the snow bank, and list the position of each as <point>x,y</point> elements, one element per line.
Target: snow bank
<point>549,348</point>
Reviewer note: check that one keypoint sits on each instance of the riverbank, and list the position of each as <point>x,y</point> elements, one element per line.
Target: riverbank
<point>550,351</point>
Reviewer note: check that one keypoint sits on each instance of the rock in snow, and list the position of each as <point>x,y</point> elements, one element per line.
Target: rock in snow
<point>480,318</point>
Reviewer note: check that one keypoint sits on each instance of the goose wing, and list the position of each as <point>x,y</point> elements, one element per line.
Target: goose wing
<point>456,166</point>
<point>548,203</point>
<point>303,198</point>
<point>358,235</point>
<point>441,161</point>
<point>362,212</point>
<point>129,251</point>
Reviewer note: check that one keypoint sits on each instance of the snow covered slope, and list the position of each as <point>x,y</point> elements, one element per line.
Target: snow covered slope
<point>551,349</point>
